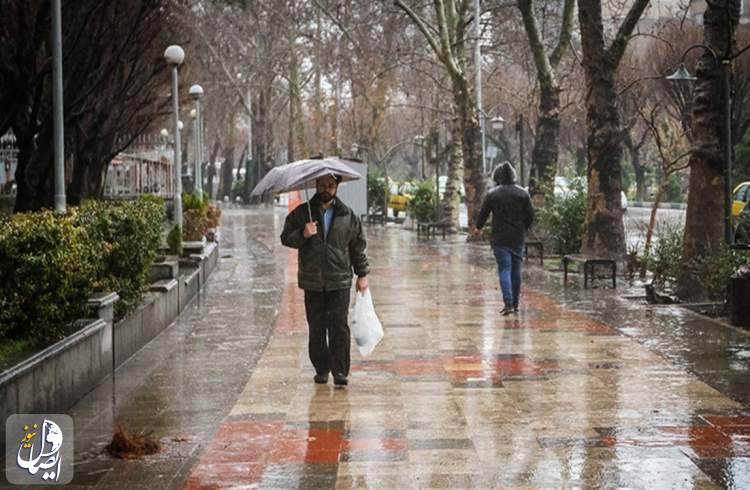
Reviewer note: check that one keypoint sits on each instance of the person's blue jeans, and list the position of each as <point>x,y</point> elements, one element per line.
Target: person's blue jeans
<point>509,272</point>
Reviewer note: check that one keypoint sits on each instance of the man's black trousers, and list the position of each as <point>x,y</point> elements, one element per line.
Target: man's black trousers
<point>330,340</point>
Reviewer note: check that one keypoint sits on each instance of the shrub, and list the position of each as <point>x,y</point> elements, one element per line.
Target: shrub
<point>49,266</point>
<point>664,259</point>
<point>192,201</point>
<point>174,240</point>
<point>562,217</point>
<point>213,214</point>
<point>715,269</point>
<point>421,206</point>
<point>130,232</point>
<point>194,224</point>
<point>377,192</point>
<point>158,200</point>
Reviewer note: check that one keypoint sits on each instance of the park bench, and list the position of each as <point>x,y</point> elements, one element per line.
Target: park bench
<point>538,245</point>
<point>430,228</point>
<point>589,266</point>
<point>371,219</point>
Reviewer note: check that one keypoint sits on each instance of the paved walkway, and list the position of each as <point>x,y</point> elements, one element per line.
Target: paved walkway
<point>583,388</point>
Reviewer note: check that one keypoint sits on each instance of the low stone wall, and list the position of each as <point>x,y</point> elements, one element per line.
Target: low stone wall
<point>157,310</point>
<point>54,379</point>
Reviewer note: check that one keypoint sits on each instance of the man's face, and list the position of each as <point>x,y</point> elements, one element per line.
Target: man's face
<point>326,188</point>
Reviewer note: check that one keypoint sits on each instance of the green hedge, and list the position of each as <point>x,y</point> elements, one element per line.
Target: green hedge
<point>562,217</point>
<point>129,233</point>
<point>49,267</point>
<point>54,263</point>
<point>421,206</point>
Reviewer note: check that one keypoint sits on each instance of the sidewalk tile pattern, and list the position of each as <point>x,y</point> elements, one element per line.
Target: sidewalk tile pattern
<point>457,396</point>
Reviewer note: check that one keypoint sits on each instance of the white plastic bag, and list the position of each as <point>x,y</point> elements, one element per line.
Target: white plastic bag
<point>365,325</point>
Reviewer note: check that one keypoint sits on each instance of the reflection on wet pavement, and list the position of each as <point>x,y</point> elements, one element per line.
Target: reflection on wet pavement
<point>581,389</point>
<point>457,396</point>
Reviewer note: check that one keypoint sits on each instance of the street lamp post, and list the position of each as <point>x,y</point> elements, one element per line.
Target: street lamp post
<point>196,92</point>
<point>57,102</point>
<point>174,55</point>
<point>497,123</point>
<point>682,74</point>
<point>419,140</point>
<point>519,129</point>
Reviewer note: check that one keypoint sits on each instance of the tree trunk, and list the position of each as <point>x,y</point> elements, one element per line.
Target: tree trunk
<point>451,198</point>
<point>638,167</point>
<point>604,233</point>
<point>474,181</point>
<point>211,170</point>
<point>546,144</point>
<point>226,172</point>
<point>652,223</point>
<point>704,223</point>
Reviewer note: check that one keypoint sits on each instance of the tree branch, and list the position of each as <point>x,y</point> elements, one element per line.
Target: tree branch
<point>617,49</point>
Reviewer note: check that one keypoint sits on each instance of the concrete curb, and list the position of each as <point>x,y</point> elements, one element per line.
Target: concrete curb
<point>53,380</point>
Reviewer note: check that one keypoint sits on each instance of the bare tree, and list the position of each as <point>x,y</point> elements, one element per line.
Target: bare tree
<point>672,150</point>
<point>703,220</point>
<point>546,143</point>
<point>604,234</point>
<point>109,98</point>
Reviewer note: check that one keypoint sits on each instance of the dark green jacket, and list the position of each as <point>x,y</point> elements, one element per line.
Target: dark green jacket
<point>327,264</point>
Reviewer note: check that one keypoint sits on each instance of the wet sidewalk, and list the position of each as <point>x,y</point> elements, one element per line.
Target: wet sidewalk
<point>582,389</point>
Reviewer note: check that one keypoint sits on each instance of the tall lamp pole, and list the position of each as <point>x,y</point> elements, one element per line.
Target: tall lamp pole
<point>519,128</point>
<point>57,102</point>
<point>196,92</point>
<point>478,82</point>
<point>682,74</point>
<point>175,56</point>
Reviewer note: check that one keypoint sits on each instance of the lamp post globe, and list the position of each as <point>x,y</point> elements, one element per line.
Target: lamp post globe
<point>196,91</point>
<point>498,123</point>
<point>174,55</point>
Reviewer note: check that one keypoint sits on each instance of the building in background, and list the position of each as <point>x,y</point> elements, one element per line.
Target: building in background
<point>8,162</point>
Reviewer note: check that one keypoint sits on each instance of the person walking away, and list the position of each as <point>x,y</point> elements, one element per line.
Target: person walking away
<point>330,246</point>
<point>512,216</point>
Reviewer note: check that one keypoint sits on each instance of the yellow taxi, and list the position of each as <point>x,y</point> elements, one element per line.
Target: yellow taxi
<point>399,198</point>
<point>740,197</point>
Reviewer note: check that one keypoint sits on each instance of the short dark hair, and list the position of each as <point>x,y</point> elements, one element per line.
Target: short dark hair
<point>337,178</point>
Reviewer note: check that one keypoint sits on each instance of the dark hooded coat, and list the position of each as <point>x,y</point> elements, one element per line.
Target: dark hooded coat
<point>510,205</point>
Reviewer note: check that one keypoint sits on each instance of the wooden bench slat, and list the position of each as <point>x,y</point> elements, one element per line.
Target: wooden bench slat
<point>589,264</point>
<point>430,228</point>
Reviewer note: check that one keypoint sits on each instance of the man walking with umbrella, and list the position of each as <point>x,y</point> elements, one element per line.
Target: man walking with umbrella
<point>331,244</point>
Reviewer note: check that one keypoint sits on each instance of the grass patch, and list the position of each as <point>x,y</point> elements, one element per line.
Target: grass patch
<point>12,350</point>
<point>9,348</point>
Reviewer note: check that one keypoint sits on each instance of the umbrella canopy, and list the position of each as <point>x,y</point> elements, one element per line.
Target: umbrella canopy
<point>302,174</point>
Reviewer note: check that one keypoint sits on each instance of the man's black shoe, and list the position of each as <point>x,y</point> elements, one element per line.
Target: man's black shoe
<point>321,379</point>
<point>340,380</point>
<point>507,311</point>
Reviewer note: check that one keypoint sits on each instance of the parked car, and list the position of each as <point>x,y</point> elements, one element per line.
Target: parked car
<point>399,197</point>
<point>740,196</point>
<point>443,181</point>
<point>562,188</point>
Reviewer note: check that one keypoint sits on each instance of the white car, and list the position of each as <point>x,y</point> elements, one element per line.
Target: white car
<point>562,188</point>
<point>443,181</point>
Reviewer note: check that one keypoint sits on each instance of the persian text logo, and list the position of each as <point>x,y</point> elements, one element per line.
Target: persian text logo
<point>39,449</point>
